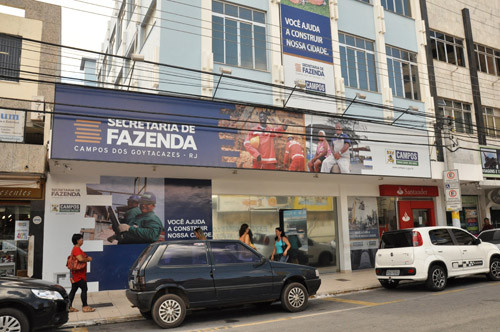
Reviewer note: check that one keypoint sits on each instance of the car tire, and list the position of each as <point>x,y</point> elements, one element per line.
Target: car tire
<point>389,283</point>
<point>436,279</point>
<point>13,320</point>
<point>169,311</point>
<point>294,297</point>
<point>494,274</point>
<point>324,259</point>
<point>146,314</point>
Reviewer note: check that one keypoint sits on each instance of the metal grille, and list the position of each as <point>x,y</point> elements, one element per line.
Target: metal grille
<point>10,57</point>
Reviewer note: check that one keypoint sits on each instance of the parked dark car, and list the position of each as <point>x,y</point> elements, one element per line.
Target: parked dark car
<point>170,277</point>
<point>27,304</point>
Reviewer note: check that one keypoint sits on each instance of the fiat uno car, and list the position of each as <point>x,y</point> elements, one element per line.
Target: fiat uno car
<point>170,277</point>
<point>434,254</point>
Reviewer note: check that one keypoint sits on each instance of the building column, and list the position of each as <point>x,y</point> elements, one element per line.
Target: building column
<point>344,244</point>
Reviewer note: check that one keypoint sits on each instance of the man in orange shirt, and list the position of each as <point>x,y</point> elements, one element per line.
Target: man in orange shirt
<point>294,153</point>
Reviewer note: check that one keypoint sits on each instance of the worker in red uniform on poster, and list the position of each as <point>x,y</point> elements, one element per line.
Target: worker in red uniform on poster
<point>260,143</point>
<point>294,153</point>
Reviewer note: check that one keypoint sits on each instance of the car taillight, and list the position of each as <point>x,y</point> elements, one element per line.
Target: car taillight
<point>417,239</point>
<point>140,283</point>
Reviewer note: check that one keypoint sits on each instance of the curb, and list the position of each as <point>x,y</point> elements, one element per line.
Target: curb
<point>326,294</point>
<point>103,321</point>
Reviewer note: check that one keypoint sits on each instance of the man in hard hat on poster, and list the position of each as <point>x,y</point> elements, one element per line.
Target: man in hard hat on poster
<point>294,154</point>
<point>259,142</point>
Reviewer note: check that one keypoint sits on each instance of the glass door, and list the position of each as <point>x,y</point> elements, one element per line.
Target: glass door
<point>14,230</point>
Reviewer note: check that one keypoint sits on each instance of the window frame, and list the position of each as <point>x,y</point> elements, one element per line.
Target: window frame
<point>345,47</point>
<point>468,128</point>
<point>487,53</point>
<point>14,44</point>
<point>214,258</point>
<point>239,21</point>
<point>456,43</point>
<point>491,114</point>
<point>146,27</point>
<point>412,65</point>
<point>405,5</point>
<point>457,242</point>
<point>447,232</point>
<point>194,245</point>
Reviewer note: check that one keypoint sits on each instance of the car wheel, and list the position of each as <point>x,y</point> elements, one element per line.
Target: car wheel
<point>389,284</point>
<point>436,279</point>
<point>169,311</point>
<point>13,320</point>
<point>146,314</point>
<point>294,297</point>
<point>494,273</point>
<point>324,259</point>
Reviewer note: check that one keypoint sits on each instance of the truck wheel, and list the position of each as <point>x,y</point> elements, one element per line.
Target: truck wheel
<point>436,279</point>
<point>13,320</point>
<point>294,297</point>
<point>494,274</point>
<point>169,311</point>
<point>389,284</point>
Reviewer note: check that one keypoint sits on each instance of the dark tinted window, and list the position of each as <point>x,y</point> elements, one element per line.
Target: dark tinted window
<point>10,57</point>
<point>142,257</point>
<point>397,240</point>
<point>463,238</point>
<point>230,253</point>
<point>441,237</point>
<point>185,254</point>
<point>491,236</point>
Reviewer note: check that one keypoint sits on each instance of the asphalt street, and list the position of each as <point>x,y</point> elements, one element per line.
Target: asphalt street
<point>466,304</point>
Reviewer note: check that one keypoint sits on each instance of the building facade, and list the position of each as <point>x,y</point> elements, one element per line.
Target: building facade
<point>200,102</point>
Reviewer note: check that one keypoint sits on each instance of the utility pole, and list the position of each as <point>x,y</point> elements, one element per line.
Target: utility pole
<point>451,180</point>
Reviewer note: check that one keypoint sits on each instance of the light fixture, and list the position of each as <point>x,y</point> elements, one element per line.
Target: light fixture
<point>410,108</point>
<point>301,84</point>
<point>227,71</point>
<point>134,57</point>
<point>357,96</point>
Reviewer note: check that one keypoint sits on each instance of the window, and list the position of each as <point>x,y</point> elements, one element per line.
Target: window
<point>463,238</point>
<point>491,118</point>
<point>403,73</point>
<point>130,9</point>
<point>10,57</point>
<point>441,237</point>
<point>459,112</point>
<point>488,59</point>
<point>185,254</point>
<point>490,236</point>
<point>148,23</point>
<point>231,253</point>
<point>447,48</point>
<point>119,31</point>
<point>357,60</point>
<point>401,7</point>
<point>238,36</point>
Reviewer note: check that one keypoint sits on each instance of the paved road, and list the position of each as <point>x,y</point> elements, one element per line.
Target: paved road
<point>465,305</point>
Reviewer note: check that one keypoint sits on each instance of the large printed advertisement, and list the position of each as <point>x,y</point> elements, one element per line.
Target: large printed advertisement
<point>363,231</point>
<point>119,217</point>
<point>115,126</point>
<point>307,51</point>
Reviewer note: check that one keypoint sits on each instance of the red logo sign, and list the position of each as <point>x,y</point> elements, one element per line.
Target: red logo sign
<point>408,191</point>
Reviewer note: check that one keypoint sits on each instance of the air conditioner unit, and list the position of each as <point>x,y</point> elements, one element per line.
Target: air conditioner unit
<point>37,106</point>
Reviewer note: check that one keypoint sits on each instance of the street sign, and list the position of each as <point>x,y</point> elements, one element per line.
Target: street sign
<point>453,196</point>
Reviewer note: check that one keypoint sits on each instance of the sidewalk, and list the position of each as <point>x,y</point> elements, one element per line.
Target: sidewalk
<point>113,306</point>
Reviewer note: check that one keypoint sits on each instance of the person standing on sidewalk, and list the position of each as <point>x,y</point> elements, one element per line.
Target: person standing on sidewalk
<point>487,224</point>
<point>79,277</point>
<point>281,246</point>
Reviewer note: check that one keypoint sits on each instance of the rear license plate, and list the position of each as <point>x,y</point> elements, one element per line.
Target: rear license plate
<point>392,272</point>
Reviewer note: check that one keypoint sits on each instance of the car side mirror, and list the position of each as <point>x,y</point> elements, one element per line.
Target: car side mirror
<point>476,242</point>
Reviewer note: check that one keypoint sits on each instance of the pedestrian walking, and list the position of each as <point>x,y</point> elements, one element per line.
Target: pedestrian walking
<point>79,273</point>
<point>281,246</point>
<point>245,235</point>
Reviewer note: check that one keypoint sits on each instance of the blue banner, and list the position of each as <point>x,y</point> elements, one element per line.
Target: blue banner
<point>306,34</point>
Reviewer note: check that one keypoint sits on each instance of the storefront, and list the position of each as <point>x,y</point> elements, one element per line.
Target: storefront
<point>21,211</point>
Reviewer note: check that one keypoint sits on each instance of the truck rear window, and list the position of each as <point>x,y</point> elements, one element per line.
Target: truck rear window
<point>401,239</point>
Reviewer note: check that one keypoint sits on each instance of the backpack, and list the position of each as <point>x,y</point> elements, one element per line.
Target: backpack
<point>73,264</point>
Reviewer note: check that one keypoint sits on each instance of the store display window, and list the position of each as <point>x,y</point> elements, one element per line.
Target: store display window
<point>14,231</point>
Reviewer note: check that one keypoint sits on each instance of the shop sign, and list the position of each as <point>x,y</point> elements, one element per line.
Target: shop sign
<point>21,193</point>
<point>452,190</point>
<point>65,192</point>
<point>22,230</point>
<point>12,125</point>
<point>162,130</point>
<point>408,191</point>
<point>489,161</point>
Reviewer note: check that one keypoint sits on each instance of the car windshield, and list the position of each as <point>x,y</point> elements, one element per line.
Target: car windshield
<point>490,236</point>
<point>400,239</point>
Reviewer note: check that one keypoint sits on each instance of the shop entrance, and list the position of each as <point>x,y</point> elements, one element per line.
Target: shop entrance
<point>14,228</point>
<point>416,214</point>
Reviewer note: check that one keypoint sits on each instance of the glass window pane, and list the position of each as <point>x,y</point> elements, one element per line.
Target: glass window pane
<point>459,122</point>
<point>341,38</point>
<point>343,65</point>
<point>184,254</point>
<point>246,45</point>
<point>415,82</point>
<point>450,49</point>
<point>489,124</point>
<point>458,41</point>
<point>259,17</point>
<point>388,51</point>
<point>398,78</point>
<point>231,43</point>
<point>384,3</point>
<point>498,66</point>
<point>396,53</point>
<point>497,126</point>
<point>460,56</point>
<point>260,47</point>
<point>231,10</point>
<point>407,7</point>
<point>407,81</point>
<point>360,43</point>
<point>390,5</point>
<point>434,49</point>
<point>482,62</point>
<point>218,38</point>
<point>217,7</point>
<point>399,7</point>
<point>468,122</point>
<point>440,237</point>
<point>441,51</point>
<point>369,45</point>
<point>232,253</point>
<point>449,38</point>
<point>481,48</point>
<point>362,72</point>
<point>372,78</point>
<point>390,71</point>
<point>491,65</point>
<point>351,64</point>
<point>245,14</point>
<point>439,35</point>
<point>349,40</point>
<point>463,238</point>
